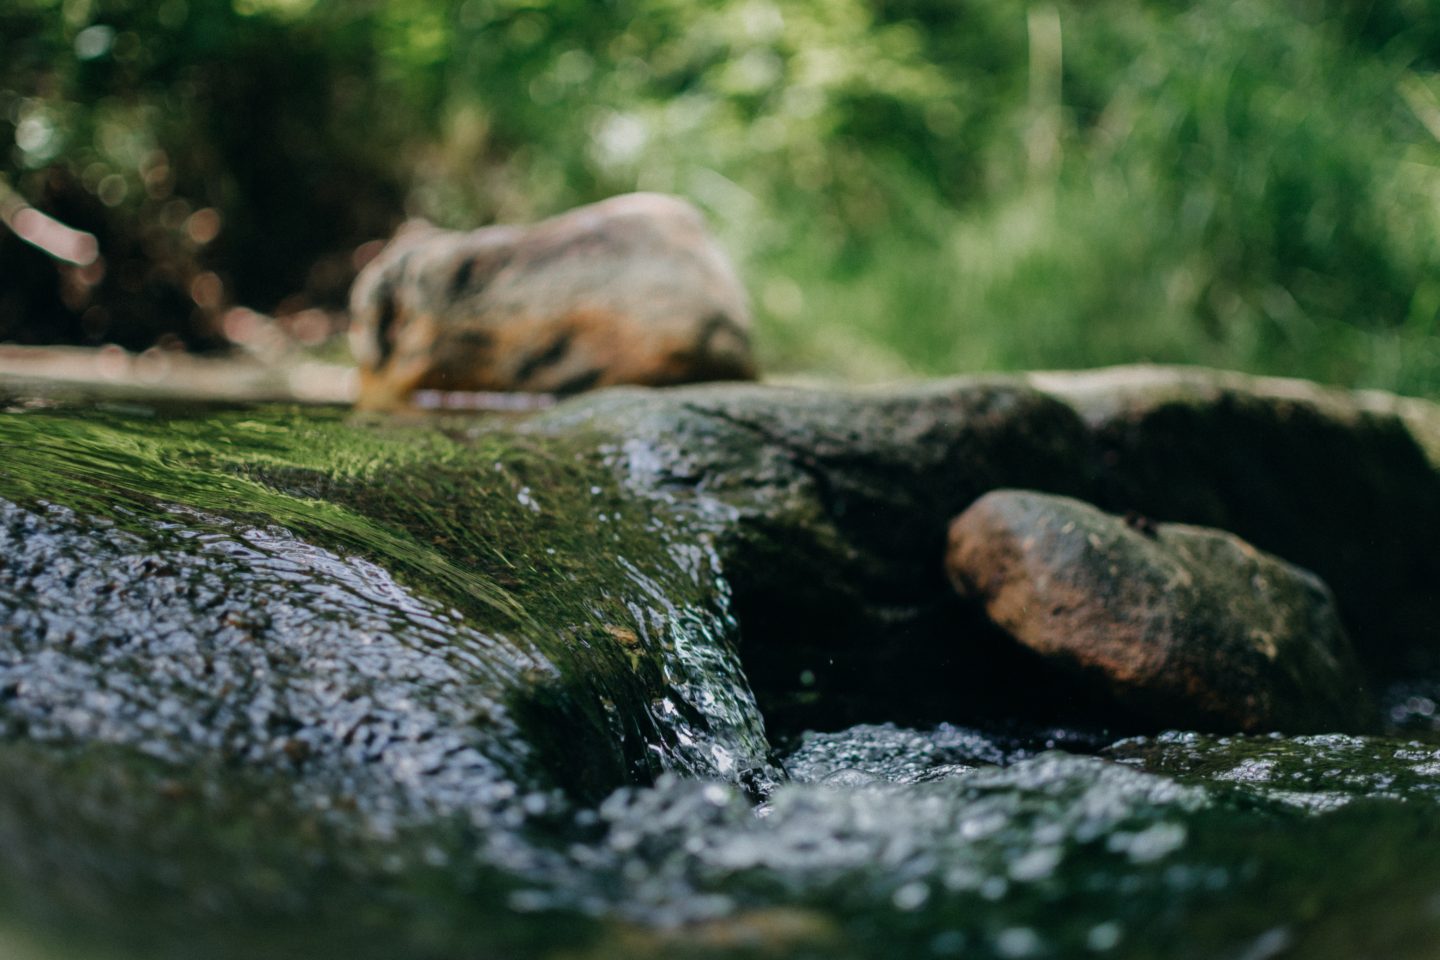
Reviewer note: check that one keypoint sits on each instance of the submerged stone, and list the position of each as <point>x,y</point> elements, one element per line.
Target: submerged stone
<point>1187,626</point>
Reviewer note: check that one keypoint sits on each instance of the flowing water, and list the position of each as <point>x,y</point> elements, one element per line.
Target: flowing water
<point>280,683</point>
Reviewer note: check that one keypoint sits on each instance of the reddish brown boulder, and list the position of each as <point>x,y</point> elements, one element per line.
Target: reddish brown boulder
<point>1183,625</point>
<point>631,290</point>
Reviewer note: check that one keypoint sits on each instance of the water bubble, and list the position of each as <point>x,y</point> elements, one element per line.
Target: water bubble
<point>1249,771</point>
<point>1103,936</point>
<point>1148,845</point>
<point>1272,942</point>
<point>1017,942</point>
<point>912,896</point>
<point>1036,864</point>
<point>849,777</point>
<point>994,888</point>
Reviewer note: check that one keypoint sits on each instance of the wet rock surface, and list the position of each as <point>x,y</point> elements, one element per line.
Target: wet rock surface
<point>296,682</point>
<point>1188,626</point>
<point>1336,482</point>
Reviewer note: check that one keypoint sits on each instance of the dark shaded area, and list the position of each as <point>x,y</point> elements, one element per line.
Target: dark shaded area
<point>1342,496</point>
<point>938,664</point>
<point>219,157</point>
<point>137,296</point>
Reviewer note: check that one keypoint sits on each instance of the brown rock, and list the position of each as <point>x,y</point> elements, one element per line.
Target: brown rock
<point>631,290</point>
<point>1345,484</point>
<point>1184,625</point>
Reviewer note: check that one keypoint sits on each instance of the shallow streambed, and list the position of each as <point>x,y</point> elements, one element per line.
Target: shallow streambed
<point>282,682</point>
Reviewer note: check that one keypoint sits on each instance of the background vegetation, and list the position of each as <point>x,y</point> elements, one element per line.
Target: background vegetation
<point>911,186</point>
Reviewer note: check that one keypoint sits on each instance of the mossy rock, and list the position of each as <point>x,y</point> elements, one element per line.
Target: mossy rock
<point>445,635</point>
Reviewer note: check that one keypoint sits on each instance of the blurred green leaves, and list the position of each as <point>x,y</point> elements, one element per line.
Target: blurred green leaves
<point>914,186</point>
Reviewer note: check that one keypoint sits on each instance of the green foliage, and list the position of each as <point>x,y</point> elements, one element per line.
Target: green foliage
<point>913,186</point>
<point>262,110</point>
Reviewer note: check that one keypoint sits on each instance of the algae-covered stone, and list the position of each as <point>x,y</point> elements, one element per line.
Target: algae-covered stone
<point>814,518</point>
<point>417,619</point>
<point>829,510</point>
<point>1188,626</point>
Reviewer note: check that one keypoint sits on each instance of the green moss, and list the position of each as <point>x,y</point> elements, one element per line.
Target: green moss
<point>529,537</point>
<point>129,470</point>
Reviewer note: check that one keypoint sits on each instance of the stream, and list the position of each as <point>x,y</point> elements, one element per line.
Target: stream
<point>280,682</point>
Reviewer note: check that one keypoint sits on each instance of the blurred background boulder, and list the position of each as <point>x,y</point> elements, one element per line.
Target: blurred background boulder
<point>913,186</point>
<point>630,290</point>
